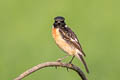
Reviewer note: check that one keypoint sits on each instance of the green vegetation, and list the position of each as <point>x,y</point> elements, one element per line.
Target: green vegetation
<point>26,40</point>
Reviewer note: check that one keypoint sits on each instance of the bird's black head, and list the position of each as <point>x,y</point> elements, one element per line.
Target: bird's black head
<point>59,21</point>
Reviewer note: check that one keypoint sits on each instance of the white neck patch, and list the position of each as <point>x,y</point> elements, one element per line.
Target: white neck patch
<point>66,26</point>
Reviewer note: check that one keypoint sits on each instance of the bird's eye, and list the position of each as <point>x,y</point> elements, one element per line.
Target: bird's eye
<point>62,21</point>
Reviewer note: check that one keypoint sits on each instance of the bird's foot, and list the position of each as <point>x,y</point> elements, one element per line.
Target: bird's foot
<point>70,62</point>
<point>67,69</point>
<point>59,60</point>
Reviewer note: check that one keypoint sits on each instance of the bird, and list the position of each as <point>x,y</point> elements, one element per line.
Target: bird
<point>67,40</point>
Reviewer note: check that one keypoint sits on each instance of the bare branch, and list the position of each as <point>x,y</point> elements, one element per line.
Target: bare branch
<point>52,64</point>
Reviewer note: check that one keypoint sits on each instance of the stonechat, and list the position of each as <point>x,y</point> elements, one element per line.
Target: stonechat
<point>66,39</point>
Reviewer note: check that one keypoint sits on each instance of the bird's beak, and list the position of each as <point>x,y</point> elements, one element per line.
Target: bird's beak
<point>58,22</point>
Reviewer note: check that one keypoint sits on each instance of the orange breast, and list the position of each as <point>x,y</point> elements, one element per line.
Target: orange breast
<point>62,43</point>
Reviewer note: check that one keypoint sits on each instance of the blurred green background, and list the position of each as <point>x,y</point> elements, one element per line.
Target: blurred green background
<point>26,40</point>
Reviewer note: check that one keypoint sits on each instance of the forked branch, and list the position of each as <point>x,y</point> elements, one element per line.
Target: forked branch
<point>52,64</point>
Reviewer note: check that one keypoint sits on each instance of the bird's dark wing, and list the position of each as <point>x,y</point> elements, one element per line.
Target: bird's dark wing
<point>71,38</point>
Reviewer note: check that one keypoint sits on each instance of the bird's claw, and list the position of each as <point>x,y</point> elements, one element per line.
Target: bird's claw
<point>59,60</point>
<point>68,69</point>
<point>70,62</point>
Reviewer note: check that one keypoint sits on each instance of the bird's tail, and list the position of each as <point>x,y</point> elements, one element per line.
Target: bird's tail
<point>79,56</point>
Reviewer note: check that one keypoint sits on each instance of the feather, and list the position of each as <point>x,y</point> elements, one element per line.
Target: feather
<point>79,56</point>
<point>71,38</point>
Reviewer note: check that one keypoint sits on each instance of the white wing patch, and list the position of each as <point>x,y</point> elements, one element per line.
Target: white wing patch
<point>74,40</point>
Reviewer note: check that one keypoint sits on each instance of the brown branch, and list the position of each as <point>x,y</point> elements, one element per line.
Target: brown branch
<point>52,64</point>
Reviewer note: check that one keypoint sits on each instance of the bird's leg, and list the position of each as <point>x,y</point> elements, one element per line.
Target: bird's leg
<point>60,59</point>
<point>71,60</point>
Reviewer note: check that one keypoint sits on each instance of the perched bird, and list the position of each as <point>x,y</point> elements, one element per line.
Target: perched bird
<point>66,39</point>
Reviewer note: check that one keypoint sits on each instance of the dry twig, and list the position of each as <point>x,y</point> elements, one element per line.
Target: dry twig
<point>52,64</point>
